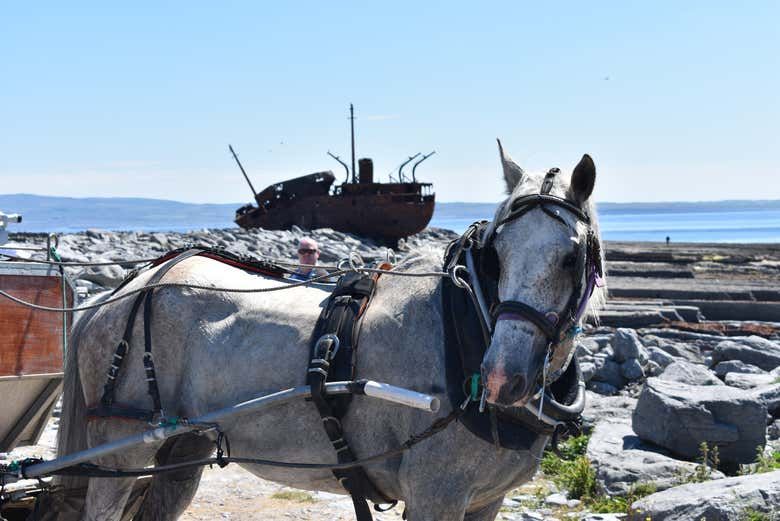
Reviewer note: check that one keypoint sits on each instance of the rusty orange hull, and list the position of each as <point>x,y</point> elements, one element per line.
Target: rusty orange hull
<point>383,216</point>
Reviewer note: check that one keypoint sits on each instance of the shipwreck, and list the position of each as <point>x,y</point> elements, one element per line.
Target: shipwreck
<point>361,204</point>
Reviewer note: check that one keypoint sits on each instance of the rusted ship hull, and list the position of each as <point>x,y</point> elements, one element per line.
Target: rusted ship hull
<point>386,217</point>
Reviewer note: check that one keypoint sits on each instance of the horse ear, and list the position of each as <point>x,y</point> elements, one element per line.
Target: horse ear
<point>512,172</point>
<point>583,179</point>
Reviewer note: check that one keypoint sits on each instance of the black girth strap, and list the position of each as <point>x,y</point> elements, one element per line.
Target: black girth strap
<point>107,408</point>
<point>334,344</point>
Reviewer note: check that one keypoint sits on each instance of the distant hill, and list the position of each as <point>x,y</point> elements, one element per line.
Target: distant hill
<point>68,214</point>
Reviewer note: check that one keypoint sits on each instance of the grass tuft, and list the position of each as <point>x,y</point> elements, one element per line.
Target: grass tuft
<point>577,476</point>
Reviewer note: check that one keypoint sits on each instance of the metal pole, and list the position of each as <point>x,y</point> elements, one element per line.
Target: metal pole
<point>414,178</point>
<point>342,164</point>
<point>254,193</point>
<point>401,175</point>
<point>207,421</point>
<point>352,130</point>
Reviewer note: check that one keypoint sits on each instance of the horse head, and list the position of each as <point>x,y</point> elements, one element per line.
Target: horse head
<point>547,266</point>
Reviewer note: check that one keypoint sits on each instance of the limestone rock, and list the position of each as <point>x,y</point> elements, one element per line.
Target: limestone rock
<point>688,373</point>
<point>684,350</point>
<point>735,366</point>
<point>602,388</point>
<point>751,350</point>
<point>769,395</point>
<point>599,407</point>
<point>105,276</point>
<point>749,381</point>
<point>622,460</point>
<point>679,417</point>
<point>626,345</point>
<point>720,500</point>
<point>632,370</point>
<point>659,356</point>
<point>609,372</point>
<point>588,369</point>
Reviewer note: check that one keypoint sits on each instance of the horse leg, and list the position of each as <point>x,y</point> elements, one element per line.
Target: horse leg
<point>486,513</point>
<point>106,497</point>
<point>170,493</point>
<point>435,501</point>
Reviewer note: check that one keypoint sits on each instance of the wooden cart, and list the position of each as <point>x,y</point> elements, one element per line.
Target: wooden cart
<point>32,344</point>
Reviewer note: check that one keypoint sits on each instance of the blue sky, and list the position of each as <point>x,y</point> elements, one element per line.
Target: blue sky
<point>675,101</point>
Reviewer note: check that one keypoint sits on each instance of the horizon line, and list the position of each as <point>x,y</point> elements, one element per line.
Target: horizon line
<point>703,201</point>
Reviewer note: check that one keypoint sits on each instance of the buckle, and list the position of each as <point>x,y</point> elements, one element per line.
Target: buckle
<point>329,354</point>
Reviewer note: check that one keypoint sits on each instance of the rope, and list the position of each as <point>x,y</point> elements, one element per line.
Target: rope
<point>280,262</point>
<point>76,264</point>
<point>212,288</point>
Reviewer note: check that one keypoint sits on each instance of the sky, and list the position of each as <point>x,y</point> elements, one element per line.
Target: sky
<point>675,101</point>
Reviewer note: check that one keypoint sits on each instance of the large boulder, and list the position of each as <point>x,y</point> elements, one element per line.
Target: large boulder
<point>107,276</point>
<point>632,370</point>
<point>622,460</point>
<point>688,373</point>
<point>626,345</point>
<point>751,350</point>
<point>608,371</point>
<point>749,381</point>
<point>735,366</point>
<point>769,395</point>
<point>659,356</point>
<point>730,499</point>
<point>680,417</point>
<point>690,352</point>
<point>599,407</point>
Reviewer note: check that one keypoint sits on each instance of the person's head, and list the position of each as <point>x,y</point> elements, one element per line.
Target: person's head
<point>308,252</point>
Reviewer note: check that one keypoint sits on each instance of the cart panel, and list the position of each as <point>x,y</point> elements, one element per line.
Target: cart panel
<point>31,350</point>
<point>31,341</point>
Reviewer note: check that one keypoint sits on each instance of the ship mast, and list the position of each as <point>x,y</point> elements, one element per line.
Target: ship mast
<point>352,129</point>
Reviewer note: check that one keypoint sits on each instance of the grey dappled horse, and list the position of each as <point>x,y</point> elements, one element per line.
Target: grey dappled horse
<point>215,349</point>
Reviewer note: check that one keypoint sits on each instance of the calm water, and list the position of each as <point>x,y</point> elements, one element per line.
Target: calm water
<point>690,222</point>
<point>725,221</point>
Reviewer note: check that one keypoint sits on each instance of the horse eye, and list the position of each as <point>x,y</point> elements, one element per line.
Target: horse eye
<point>569,261</point>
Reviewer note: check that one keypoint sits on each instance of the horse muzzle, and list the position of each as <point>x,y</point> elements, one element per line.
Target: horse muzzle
<point>506,389</point>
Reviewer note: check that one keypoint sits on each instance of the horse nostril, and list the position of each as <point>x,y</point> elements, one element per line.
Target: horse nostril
<point>517,385</point>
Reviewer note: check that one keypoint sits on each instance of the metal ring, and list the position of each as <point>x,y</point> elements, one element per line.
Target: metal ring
<point>355,261</point>
<point>458,281</point>
<point>390,256</point>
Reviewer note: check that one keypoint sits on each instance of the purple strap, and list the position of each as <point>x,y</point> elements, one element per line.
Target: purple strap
<point>594,281</point>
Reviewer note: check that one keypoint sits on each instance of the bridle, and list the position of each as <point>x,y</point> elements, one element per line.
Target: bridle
<point>478,246</point>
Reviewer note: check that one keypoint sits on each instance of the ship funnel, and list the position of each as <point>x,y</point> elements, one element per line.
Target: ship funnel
<point>366,170</point>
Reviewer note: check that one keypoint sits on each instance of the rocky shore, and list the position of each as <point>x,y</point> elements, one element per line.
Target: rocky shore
<point>683,377</point>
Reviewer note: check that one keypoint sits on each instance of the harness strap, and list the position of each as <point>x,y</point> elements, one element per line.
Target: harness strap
<point>512,309</point>
<point>151,378</point>
<point>549,178</point>
<point>333,353</point>
<point>106,408</point>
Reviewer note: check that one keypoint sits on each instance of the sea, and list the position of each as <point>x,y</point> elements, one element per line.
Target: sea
<point>715,222</point>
